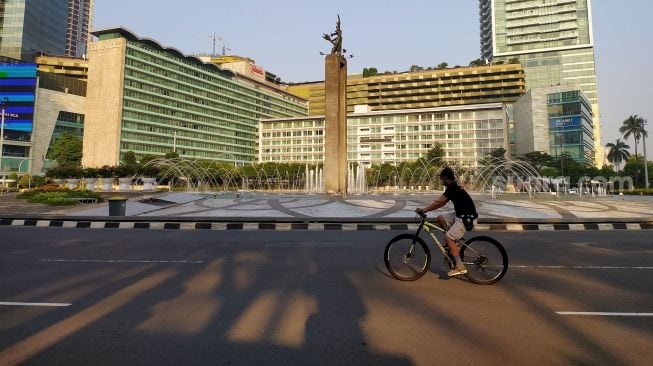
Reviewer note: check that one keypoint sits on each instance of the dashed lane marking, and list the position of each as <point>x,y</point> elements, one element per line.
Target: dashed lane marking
<point>600,313</point>
<point>583,267</point>
<point>116,261</point>
<point>46,304</point>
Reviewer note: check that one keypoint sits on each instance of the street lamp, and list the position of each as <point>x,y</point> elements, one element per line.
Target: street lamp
<point>2,135</point>
<point>644,123</point>
<point>29,185</point>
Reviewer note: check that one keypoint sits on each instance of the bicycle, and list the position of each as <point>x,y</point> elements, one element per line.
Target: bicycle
<point>407,257</point>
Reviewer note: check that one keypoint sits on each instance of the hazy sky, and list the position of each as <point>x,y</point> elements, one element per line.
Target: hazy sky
<point>284,37</point>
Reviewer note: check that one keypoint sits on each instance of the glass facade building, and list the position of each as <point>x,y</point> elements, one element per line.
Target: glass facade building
<point>570,125</point>
<point>553,41</point>
<point>154,100</point>
<point>17,97</point>
<point>28,28</point>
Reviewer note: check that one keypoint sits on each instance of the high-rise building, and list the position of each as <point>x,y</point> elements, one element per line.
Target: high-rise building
<point>553,41</point>
<point>153,100</point>
<point>80,14</point>
<point>34,27</point>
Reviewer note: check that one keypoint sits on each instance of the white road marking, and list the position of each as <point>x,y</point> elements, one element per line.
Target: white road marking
<point>584,267</point>
<point>308,245</point>
<point>114,261</point>
<point>51,304</point>
<point>589,313</point>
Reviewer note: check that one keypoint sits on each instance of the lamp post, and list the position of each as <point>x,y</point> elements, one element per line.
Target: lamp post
<point>29,185</point>
<point>2,135</point>
<point>645,161</point>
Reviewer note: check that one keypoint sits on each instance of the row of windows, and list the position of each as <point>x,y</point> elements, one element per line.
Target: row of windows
<point>167,135</point>
<point>212,80</point>
<point>293,149</point>
<point>163,58</point>
<point>174,118</point>
<point>139,80</point>
<point>292,142</point>
<point>293,133</point>
<point>225,153</point>
<point>185,143</point>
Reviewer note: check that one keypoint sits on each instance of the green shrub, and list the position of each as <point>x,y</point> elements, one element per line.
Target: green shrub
<point>56,198</point>
<point>52,198</point>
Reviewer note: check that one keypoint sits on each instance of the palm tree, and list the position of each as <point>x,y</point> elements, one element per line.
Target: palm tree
<point>618,153</point>
<point>634,125</point>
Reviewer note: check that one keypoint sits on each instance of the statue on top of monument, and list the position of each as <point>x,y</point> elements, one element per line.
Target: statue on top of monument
<point>335,38</point>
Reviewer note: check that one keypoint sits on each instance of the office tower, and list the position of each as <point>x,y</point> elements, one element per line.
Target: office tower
<point>32,27</point>
<point>553,41</point>
<point>80,14</point>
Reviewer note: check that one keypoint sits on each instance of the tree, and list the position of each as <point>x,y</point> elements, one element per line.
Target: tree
<point>172,155</point>
<point>634,126</point>
<point>147,158</point>
<point>494,157</point>
<point>415,68</point>
<point>618,153</point>
<point>372,71</point>
<point>130,158</point>
<point>66,150</point>
<point>513,60</point>
<point>537,159</point>
<point>477,62</point>
<point>435,155</point>
<point>442,66</point>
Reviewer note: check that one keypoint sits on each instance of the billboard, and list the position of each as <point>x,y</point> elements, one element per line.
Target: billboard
<point>564,122</point>
<point>17,96</point>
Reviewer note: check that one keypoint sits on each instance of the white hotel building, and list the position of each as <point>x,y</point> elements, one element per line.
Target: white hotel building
<point>467,134</point>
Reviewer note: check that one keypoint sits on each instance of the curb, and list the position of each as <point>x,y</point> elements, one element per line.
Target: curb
<point>311,226</point>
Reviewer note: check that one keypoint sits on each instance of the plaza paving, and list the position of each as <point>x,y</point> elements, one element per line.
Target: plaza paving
<point>255,205</point>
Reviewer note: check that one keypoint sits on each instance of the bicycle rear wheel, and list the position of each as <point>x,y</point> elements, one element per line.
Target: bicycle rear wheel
<point>407,257</point>
<point>486,260</point>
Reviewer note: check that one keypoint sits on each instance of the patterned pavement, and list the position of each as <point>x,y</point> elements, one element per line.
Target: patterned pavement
<point>248,204</point>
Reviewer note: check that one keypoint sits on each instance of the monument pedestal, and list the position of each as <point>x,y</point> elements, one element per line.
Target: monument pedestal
<point>335,125</point>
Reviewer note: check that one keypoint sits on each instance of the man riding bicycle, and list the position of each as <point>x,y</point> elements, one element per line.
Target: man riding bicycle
<point>455,223</point>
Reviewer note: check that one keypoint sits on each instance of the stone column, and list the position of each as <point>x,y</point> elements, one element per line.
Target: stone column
<point>335,125</point>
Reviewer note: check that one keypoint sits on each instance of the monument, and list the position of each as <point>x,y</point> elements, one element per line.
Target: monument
<point>335,121</point>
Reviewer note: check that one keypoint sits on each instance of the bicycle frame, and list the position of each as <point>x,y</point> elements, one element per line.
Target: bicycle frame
<point>428,227</point>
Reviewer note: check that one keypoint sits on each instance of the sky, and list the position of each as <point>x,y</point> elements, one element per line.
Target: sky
<point>285,38</point>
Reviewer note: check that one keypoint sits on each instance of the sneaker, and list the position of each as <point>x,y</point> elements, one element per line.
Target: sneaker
<point>458,270</point>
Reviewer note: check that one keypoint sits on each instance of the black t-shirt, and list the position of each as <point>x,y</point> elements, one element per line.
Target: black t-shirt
<point>462,202</point>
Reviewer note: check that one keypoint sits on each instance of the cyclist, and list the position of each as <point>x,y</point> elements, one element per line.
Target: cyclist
<point>455,223</point>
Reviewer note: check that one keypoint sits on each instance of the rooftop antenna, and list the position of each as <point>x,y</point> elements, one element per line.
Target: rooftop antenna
<point>224,46</point>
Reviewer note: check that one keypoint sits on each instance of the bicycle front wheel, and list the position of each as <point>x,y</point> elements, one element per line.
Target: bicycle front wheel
<point>486,260</point>
<point>407,257</point>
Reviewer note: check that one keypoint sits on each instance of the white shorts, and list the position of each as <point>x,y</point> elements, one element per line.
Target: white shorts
<point>456,226</point>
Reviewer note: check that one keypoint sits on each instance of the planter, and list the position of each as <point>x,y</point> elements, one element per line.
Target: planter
<point>72,183</point>
<point>147,184</point>
<point>124,184</point>
<point>58,181</point>
<point>107,184</point>
<point>90,183</point>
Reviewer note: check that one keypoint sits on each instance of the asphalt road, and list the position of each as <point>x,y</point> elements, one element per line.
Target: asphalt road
<point>154,297</point>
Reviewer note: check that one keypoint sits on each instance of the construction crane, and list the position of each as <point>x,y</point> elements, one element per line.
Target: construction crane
<point>224,47</point>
